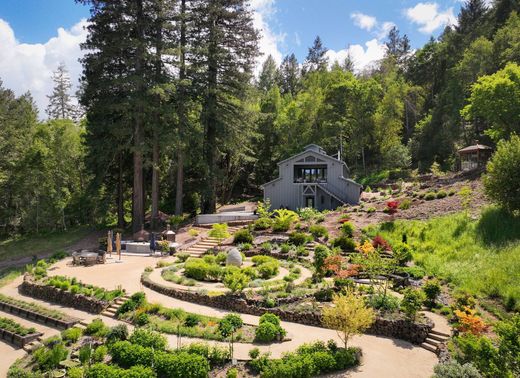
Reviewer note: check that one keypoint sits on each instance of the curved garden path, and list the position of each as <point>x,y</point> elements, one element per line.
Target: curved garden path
<point>381,356</point>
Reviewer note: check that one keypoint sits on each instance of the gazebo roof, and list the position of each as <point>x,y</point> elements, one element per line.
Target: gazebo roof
<point>474,148</point>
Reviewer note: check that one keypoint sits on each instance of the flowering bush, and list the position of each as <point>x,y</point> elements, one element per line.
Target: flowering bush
<point>380,243</point>
<point>366,248</point>
<point>469,321</point>
<point>391,207</point>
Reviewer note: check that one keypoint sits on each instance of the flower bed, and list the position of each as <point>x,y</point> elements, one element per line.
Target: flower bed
<point>82,301</point>
<point>36,312</point>
<point>15,333</point>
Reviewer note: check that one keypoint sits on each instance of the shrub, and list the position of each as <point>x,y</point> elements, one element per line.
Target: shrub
<point>49,358</point>
<point>266,332</point>
<point>99,353</point>
<point>415,271</point>
<point>96,328</point>
<point>234,319</point>
<point>232,373</point>
<point>75,372</point>
<point>412,302</point>
<point>441,194</point>
<point>501,182</point>
<point>453,369</point>
<point>266,247</point>
<point>71,335</point>
<point>254,353</point>
<point>109,371</point>
<point>236,282</point>
<point>261,259</point>
<point>245,246</point>
<point>402,253</point>
<point>345,358</point>
<point>243,236</point>
<point>283,220</point>
<point>285,248</point>
<point>181,365</point>
<point>321,252</point>
<point>148,338</point>
<point>85,354</point>
<point>347,229</point>
<point>262,224</point>
<point>431,289</point>
<point>383,302</point>
<point>269,328</point>
<point>268,269</point>
<point>142,319</point>
<point>430,196</point>
<point>221,257</point>
<point>216,355</point>
<point>345,243</point>
<point>117,333</point>
<point>371,210</point>
<point>191,320</point>
<point>196,269</point>
<point>318,231</point>
<point>182,256</point>
<point>126,354</point>
<point>405,204</point>
<point>298,238</point>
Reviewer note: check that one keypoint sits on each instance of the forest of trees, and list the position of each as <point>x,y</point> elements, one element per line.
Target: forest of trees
<point>173,118</point>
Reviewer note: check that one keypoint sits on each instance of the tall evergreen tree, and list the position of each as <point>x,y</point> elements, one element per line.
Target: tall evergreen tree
<point>268,74</point>
<point>226,47</point>
<point>60,101</point>
<point>316,59</point>
<point>289,75</point>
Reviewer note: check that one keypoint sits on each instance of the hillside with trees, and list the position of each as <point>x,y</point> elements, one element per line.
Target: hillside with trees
<point>173,117</point>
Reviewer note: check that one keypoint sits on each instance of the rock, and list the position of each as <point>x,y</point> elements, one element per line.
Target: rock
<point>234,257</point>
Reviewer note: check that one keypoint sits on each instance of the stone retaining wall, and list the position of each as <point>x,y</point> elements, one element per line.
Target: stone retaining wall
<point>399,328</point>
<point>40,318</point>
<point>51,294</point>
<point>18,340</point>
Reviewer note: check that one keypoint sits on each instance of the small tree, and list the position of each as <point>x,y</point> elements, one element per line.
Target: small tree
<point>412,302</point>
<point>349,316</point>
<point>220,232</point>
<point>502,180</point>
<point>227,327</point>
<point>431,289</point>
<point>236,281</point>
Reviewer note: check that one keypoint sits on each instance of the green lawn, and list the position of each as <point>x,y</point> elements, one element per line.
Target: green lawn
<point>479,256</point>
<point>30,245</point>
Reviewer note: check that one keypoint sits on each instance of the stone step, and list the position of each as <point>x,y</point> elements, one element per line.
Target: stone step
<point>440,333</point>
<point>429,347</point>
<point>432,342</point>
<point>32,346</point>
<point>437,337</point>
<point>111,309</point>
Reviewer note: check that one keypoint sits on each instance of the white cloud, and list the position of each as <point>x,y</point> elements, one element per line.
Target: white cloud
<point>263,10</point>
<point>364,21</point>
<point>428,16</point>
<point>28,67</point>
<point>363,57</point>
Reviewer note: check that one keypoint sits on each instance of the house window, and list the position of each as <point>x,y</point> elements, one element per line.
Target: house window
<point>310,174</point>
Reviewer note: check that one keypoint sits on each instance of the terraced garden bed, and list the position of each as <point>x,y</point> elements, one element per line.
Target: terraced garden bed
<point>17,334</point>
<point>36,312</point>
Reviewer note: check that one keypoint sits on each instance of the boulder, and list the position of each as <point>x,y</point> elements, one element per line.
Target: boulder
<point>234,257</point>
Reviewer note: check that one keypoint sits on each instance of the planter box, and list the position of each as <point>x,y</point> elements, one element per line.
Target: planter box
<point>40,318</point>
<point>18,340</point>
<point>65,298</point>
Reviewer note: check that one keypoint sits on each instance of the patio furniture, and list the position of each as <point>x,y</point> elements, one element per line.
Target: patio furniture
<point>76,258</point>
<point>101,258</point>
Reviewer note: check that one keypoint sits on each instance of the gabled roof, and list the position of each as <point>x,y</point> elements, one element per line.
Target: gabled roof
<point>317,151</point>
<point>474,148</point>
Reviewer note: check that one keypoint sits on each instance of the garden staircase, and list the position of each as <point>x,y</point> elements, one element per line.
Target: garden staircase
<point>112,309</point>
<point>199,248</point>
<point>434,340</point>
<point>33,345</point>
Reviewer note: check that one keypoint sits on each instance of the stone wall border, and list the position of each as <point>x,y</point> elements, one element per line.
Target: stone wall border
<point>49,293</point>
<point>37,317</point>
<point>18,340</point>
<point>402,329</point>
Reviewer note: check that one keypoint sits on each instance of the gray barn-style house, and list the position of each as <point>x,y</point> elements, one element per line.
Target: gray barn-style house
<point>312,179</point>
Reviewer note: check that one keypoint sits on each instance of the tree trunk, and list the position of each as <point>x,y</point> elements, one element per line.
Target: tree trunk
<point>155,181</point>
<point>210,202</point>
<point>120,199</point>
<point>138,189</point>
<point>179,188</point>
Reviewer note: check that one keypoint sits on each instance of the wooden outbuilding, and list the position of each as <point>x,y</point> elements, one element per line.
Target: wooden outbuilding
<point>474,156</point>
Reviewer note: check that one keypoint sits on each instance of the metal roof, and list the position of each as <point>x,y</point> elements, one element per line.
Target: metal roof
<point>474,148</point>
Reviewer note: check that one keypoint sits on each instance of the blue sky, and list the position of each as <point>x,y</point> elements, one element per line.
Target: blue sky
<point>36,35</point>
